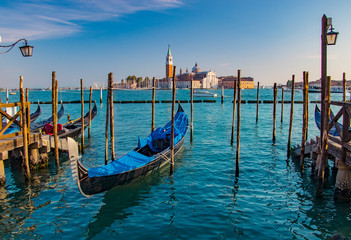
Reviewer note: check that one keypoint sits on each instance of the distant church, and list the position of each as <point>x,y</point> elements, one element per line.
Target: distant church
<point>201,79</point>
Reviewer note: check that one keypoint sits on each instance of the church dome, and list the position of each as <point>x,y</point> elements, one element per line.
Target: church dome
<point>196,69</point>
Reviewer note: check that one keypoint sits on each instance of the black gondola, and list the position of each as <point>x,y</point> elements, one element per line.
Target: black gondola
<point>73,129</point>
<point>317,118</point>
<point>151,154</point>
<point>15,128</point>
<point>38,125</point>
<point>34,116</point>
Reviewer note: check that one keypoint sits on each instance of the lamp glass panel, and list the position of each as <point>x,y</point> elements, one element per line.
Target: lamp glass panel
<point>27,51</point>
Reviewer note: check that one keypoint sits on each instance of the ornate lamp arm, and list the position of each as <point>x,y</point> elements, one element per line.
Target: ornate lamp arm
<point>12,45</point>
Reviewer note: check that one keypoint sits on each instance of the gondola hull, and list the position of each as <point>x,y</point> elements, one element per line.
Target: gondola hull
<point>74,129</point>
<point>151,153</point>
<point>94,185</point>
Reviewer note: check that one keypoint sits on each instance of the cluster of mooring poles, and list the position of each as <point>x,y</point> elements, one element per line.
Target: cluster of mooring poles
<point>110,117</point>
<point>30,147</point>
<point>325,146</point>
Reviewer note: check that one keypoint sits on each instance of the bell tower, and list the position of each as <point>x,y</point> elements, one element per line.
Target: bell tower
<point>169,64</point>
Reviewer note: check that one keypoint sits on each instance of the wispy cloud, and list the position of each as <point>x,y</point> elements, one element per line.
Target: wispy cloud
<point>41,19</point>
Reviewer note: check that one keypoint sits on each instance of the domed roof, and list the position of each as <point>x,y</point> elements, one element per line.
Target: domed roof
<point>196,69</point>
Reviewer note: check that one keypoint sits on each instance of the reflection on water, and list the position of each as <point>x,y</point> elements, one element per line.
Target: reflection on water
<point>117,201</point>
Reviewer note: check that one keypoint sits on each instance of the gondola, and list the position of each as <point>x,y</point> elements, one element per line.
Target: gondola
<point>38,125</point>
<point>15,128</point>
<point>34,116</point>
<point>150,154</point>
<point>317,118</point>
<point>73,129</point>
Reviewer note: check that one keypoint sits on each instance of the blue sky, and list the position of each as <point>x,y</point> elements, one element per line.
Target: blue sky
<point>268,40</point>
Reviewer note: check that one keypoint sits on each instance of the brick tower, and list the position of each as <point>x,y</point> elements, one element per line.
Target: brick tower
<point>169,66</point>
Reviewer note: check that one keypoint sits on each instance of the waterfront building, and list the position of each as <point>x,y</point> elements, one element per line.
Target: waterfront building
<point>201,79</point>
<point>228,82</point>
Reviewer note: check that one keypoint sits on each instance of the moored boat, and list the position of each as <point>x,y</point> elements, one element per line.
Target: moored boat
<point>73,129</point>
<point>317,118</point>
<point>150,154</point>
<point>38,125</point>
<point>204,94</point>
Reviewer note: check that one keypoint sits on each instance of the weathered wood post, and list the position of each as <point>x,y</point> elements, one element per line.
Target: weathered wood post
<point>2,173</point>
<point>344,87</point>
<point>153,105</point>
<point>90,98</point>
<point>1,119</point>
<point>107,120</point>
<point>291,114</point>
<point>2,168</point>
<point>82,113</point>
<point>304,120</point>
<point>282,108</point>
<point>234,104</point>
<point>258,101</point>
<point>275,91</point>
<point>192,111</point>
<point>28,116</point>
<point>307,104</point>
<point>172,126</point>
<point>54,112</point>
<point>24,130</point>
<point>7,96</point>
<point>238,121</point>
<point>101,95</point>
<point>222,96</point>
<point>112,123</point>
<point>323,160</point>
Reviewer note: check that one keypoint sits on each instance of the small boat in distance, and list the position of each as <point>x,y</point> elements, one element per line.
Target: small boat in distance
<point>204,94</point>
<point>151,153</point>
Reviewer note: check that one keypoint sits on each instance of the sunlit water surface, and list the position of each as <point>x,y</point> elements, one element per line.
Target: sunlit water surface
<point>271,198</point>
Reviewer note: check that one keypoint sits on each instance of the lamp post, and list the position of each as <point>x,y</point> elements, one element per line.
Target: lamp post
<point>26,49</point>
<point>327,38</point>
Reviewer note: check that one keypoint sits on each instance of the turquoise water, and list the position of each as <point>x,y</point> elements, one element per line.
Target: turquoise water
<point>271,198</point>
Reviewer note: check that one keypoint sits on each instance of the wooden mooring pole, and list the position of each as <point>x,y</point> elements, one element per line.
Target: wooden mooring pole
<point>304,120</point>
<point>275,91</point>
<point>238,121</point>
<point>153,105</point>
<point>172,125</point>
<point>291,114</point>
<point>7,96</point>
<point>112,124</point>
<point>0,130</point>
<point>2,167</point>
<point>282,108</point>
<point>24,130</point>
<point>323,161</point>
<point>192,111</point>
<point>82,113</point>
<point>90,98</point>
<point>258,101</point>
<point>101,95</point>
<point>344,87</point>
<point>107,121</point>
<point>234,104</point>
<point>28,116</point>
<point>222,96</point>
<point>54,114</point>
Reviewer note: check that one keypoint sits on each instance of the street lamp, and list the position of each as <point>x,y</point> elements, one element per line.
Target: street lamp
<point>26,49</point>
<point>332,36</point>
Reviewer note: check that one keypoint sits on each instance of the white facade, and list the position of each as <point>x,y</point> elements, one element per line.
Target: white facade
<point>210,81</point>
